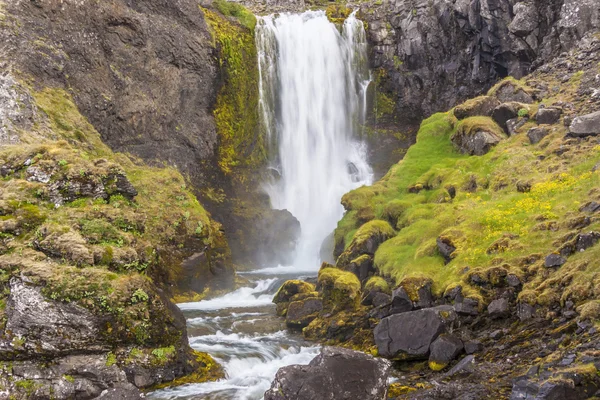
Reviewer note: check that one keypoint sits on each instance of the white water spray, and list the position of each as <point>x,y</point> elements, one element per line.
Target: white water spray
<point>313,81</point>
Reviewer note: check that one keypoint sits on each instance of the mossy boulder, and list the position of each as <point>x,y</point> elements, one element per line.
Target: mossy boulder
<point>366,240</point>
<point>477,135</point>
<point>287,291</point>
<point>341,289</point>
<point>479,106</point>
<point>301,312</point>
<point>376,292</point>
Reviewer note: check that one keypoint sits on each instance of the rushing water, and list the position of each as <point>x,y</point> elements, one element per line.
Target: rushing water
<point>312,88</point>
<point>313,82</point>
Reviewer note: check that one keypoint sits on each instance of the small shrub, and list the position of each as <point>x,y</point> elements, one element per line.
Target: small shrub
<point>139,296</point>
<point>523,112</point>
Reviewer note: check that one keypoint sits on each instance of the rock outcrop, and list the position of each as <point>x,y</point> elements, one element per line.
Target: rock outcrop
<point>439,53</point>
<point>335,374</point>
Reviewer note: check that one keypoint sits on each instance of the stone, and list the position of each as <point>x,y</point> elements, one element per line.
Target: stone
<point>526,19</point>
<point>401,301</point>
<point>473,346</point>
<point>510,92</point>
<point>506,112</point>
<point>467,307</point>
<point>586,240</point>
<point>300,313</point>
<point>48,327</point>
<point>513,281</point>
<point>585,125</point>
<point>446,248</point>
<point>554,260</point>
<point>464,367</point>
<point>476,144</point>
<point>497,334</point>
<point>590,207</point>
<point>479,106</point>
<point>335,374</point>
<point>535,135</point>
<point>443,350</point>
<point>548,115</point>
<point>409,335</point>
<point>381,299</point>
<point>513,125</point>
<point>288,290</point>
<point>498,308</point>
<point>525,311</point>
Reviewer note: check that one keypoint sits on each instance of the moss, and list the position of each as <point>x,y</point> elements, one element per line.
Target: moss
<point>436,366</point>
<point>291,288</point>
<point>236,10</point>
<point>472,125</point>
<point>341,289</point>
<point>397,389</point>
<point>378,284</point>
<point>236,110</point>
<point>589,310</point>
<point>517,84</point>
<point>207,369</point>
<point>337,13</point>
<point>111,359</point>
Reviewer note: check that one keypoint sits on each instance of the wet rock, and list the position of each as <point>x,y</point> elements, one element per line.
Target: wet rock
<point>498,308</point>
<point>335,374</point>
<point>446,248</point>
<point>409,335</point>
<point>279,233</point>
<point>586,125</point>
<point>548,115</point>
<point>479,106</point>
<point>513,125</point>
<point>535,135</point>
<point>554,260</point>
<point>300,313</point>
<point>443,350</point>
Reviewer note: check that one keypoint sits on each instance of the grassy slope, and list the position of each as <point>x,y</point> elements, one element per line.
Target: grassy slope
<point>493,225</point>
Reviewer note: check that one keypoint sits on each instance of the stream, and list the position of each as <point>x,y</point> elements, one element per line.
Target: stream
<point>313,79</point>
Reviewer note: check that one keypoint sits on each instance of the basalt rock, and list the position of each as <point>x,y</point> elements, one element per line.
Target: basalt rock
<point>443,350</point>
<point>586,125</point>
<point>536,135</point>
<point>335,374</point>
<point>548,115</point>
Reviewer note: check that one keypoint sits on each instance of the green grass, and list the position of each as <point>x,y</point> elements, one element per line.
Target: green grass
<point>493,226</point>
<point>237,11</point>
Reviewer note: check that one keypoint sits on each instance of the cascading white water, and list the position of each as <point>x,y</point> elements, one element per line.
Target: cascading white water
<point>313,82</point>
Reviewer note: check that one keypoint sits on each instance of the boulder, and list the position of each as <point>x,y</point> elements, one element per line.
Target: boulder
<point>288,290</point>
<point>479,106</point>
<point>445,247</point>
<point>586,240</point>
<point>590,207</point>
<point>381,299</point>
<point>300,313</point>
<point>586,125</point>
<point>443,350</point>
<point>526,19</point>
<point>476,136</point>
<point>505,112</point>
<point>535,135</point>
<point>554,260</point>
<point>341,289</point>
<point>335,374</point>
<point>548,115</point>
<point>466,366</point>
<point>401,302</point>
<point>361,266</point>
<point>508,91</point>
<point>409,335</point>
<point>467,306</point>
<point>473,346</point>
<point>366,240</point>
<point>498,308</point>
<point>513,125</point>
<point>375,286</point>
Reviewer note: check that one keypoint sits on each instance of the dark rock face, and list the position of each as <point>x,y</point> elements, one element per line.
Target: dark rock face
<point>430,46</point>
<point>586,125</point>
<point>446,248</point>
<point>410,334</point>
<point>335,374</point>
<point>279,231</point>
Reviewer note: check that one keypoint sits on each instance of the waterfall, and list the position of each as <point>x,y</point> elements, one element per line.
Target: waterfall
<point>313,80</point>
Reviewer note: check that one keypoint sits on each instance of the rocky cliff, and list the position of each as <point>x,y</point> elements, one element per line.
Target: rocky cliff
<point>432,55</point>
